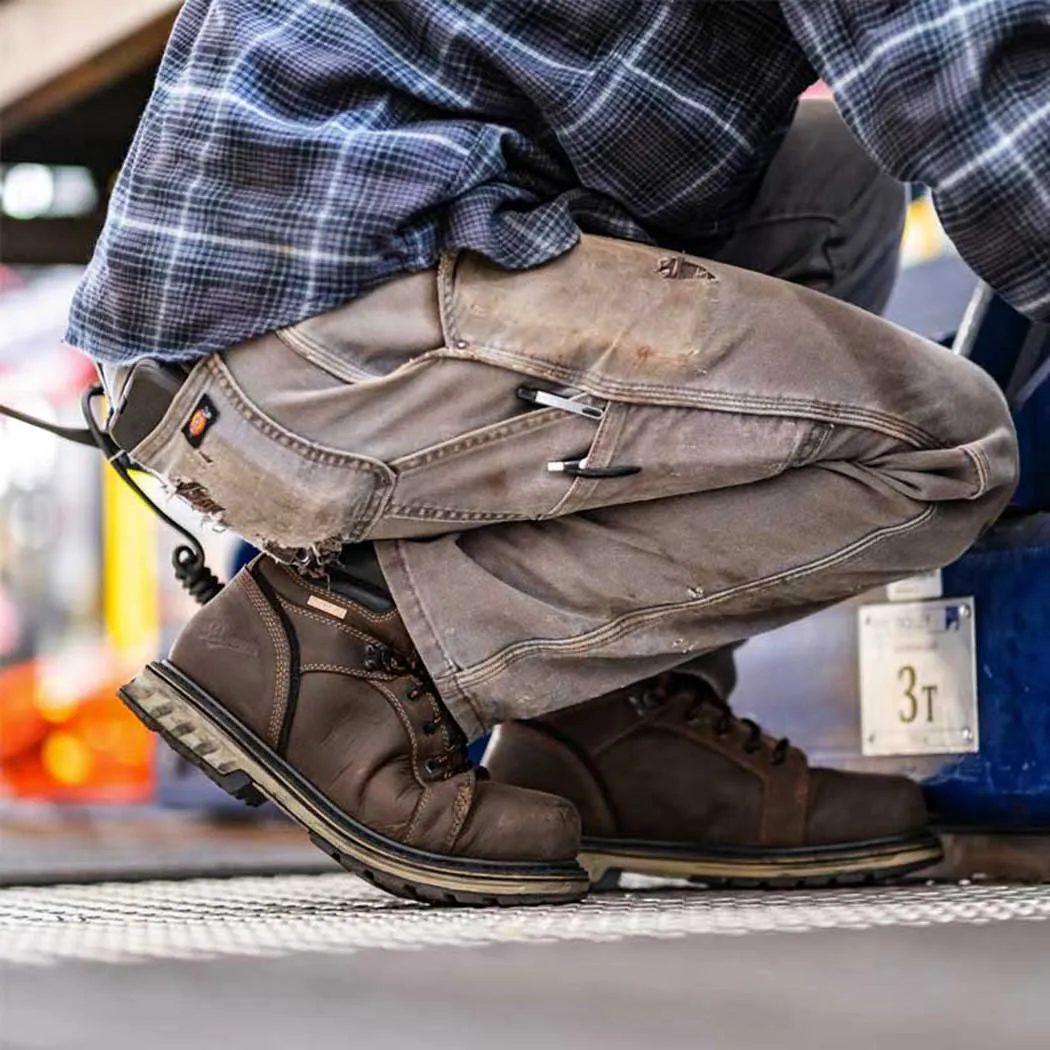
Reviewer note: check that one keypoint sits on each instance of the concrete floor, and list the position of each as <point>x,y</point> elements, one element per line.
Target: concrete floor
<point>319,961</point>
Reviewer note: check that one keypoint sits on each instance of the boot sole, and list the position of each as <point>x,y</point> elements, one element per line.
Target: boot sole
<point>850,864</point>
<point>204,733</point>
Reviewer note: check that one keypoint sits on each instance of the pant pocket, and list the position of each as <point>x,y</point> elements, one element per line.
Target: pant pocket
<point>292,496</point>
<point>623,321</point>
<point>501,471</point>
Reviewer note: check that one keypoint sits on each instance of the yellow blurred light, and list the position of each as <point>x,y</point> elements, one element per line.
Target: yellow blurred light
<point>66,758</point>
<point>55,710</point>
<point>924,238</point>
<point>131,604</point>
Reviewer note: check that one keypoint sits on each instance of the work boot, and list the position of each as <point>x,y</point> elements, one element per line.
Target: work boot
<point>284,688</point>
<point>669,782</point>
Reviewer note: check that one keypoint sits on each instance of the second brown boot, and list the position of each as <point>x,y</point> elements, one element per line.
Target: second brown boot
<point>669,782</point>
<point>285,689</point>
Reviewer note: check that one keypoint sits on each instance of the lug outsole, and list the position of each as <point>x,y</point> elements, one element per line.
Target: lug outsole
<point>202,744</point>
<point>609,881</point>
<point>921,852</point>
<point>236,784</point>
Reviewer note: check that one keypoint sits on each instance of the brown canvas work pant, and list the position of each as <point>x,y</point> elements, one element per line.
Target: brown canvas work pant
<point>623,461</point>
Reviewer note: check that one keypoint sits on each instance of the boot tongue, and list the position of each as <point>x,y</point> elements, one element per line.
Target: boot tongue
<point>391,630</point>
<point>372,611</point>
<point>379,615</point>
<point>702,694</point>
<point>358,578</point>
<point>356,603</point>
<point>362,593</point>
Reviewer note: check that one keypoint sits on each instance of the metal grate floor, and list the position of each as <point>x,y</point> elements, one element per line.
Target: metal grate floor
<point>279,916</point>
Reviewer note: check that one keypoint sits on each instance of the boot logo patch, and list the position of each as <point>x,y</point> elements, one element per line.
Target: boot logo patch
<point>204,414</point>
<point>216,635</point>
<point>327,607</point>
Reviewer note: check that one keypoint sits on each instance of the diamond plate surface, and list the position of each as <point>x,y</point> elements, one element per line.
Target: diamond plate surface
<point>212,918</point>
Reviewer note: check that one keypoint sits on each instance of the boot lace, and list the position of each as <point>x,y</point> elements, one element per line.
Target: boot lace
<point>453,759</point>
<point>668,687</point>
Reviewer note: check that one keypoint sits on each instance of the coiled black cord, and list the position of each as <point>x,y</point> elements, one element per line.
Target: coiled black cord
<point>187,559</point>
<point>194,575</point>
<point>191,569</point>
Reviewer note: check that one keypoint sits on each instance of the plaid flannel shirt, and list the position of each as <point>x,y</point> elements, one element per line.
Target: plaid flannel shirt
<point>296,153</point>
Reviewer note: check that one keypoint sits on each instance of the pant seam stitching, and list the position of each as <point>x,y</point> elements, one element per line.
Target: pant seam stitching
<point>603,447</point>
<point>976,456</point>
<point>479,438</point>
<point>498,663</point>
<point>812,447</point>
<point>467,350</point>
<point>427,512</point>
<point>313,451</point>
<point>435,638</point>
<point>642,394</point>
<point>318,355</point>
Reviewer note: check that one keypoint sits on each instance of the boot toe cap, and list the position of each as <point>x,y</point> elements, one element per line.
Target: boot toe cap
<point>845,807</point>
<point>517,824</point>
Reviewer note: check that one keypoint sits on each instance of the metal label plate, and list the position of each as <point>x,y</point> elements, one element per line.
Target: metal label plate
<point>918,678</point>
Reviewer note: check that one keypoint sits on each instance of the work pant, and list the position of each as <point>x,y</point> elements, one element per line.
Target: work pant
<point>618,463</point>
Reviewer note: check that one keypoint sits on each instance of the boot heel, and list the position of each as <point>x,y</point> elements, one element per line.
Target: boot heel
<point>161,707</point>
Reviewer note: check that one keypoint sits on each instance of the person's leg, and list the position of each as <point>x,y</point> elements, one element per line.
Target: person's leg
<point>305,688</point>
<point>791,451</point>
<point>666,780</point>
<point>827,217</point>
<point>776,465</point>
<point>784,449</point>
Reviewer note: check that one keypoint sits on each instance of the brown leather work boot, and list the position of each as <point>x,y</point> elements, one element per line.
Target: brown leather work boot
<point>281,688</point>
<point>669,782</point>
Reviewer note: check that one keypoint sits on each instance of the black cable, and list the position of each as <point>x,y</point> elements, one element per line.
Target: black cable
<point>188,559</point>
<point>79,435</point>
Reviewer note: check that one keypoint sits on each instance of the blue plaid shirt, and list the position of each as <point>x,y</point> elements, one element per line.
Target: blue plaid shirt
<point>296,153</point>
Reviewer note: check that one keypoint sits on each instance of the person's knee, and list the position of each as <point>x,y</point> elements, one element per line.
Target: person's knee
<point>967,477</point>
<point>960,460</point>
<point>979,414</point>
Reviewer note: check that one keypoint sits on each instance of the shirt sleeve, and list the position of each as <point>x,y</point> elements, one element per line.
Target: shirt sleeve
<point>954,94</point>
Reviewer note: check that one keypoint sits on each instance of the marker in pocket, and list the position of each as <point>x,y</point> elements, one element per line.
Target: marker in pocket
<point>565,404</point>
<point>574,468</point>
<point>577,468</point>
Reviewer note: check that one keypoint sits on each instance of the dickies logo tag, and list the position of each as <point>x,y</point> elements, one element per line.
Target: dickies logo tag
<point>204,414</point>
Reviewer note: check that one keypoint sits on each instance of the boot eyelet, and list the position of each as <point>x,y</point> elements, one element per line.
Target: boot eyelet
<point>432,767</point>
<point>429,728</point>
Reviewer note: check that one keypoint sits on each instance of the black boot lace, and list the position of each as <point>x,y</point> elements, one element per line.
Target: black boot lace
<point>668,687</point>
<point>453,760</point>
